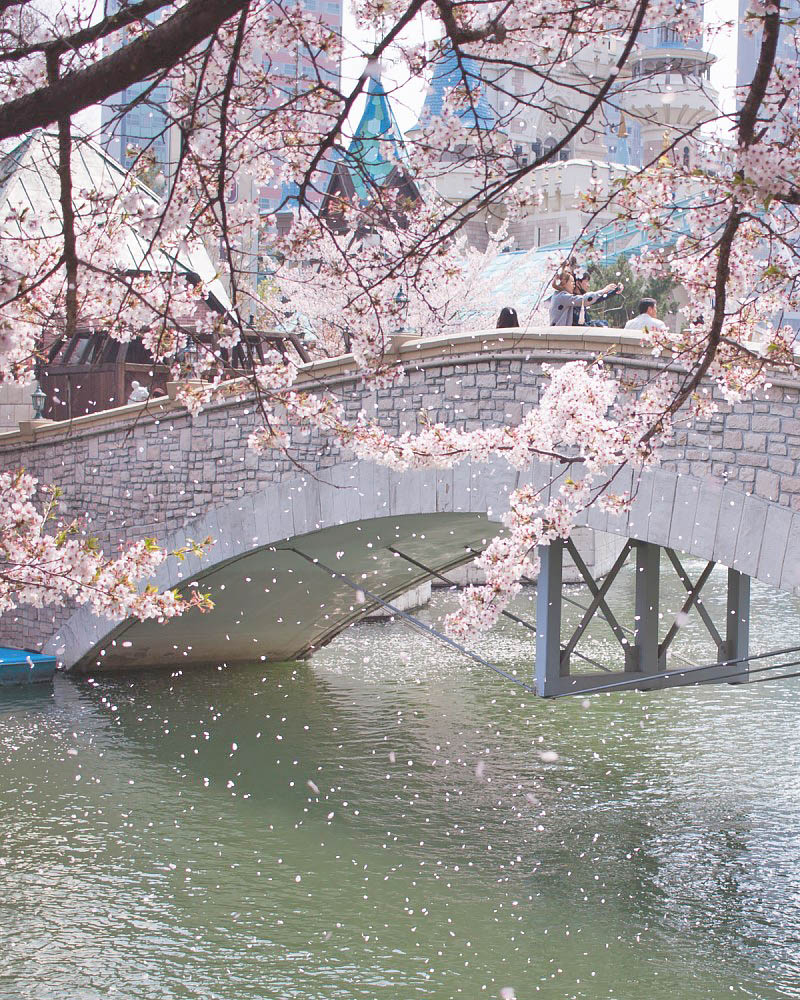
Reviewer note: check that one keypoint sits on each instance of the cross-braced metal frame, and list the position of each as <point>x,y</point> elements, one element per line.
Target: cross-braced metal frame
<point>644,654</point>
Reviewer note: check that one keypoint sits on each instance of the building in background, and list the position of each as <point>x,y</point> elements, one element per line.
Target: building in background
<point>371,164</point>
<point>748,43</point>
<point>664,94</point>
<point>144,132</point>
<point>89,371</point>
<point>292,71</point>
<point>747,48</point>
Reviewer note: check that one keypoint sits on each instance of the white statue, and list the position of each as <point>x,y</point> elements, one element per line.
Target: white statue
<point>139,394</point>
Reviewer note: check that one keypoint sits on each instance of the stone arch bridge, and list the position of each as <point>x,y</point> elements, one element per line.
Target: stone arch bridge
<point>728,491</point>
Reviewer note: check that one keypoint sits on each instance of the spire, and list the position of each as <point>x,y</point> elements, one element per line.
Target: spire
<point>377,143</point>
<point>450,72</point>
<point>373,160</point>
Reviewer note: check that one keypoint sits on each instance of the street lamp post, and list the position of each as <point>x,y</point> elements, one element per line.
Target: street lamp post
<point>38,399</point>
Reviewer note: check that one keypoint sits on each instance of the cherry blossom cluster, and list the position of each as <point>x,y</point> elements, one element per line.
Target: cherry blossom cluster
<point>358,309</point>
<point>44,560</point>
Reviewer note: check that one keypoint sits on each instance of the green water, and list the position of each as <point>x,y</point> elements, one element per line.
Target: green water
<point>380,822</point>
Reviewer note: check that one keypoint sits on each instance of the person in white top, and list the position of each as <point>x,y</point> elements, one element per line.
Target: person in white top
<point>646,320</point>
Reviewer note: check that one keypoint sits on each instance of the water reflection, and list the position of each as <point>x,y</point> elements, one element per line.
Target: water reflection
<point>382,819</point>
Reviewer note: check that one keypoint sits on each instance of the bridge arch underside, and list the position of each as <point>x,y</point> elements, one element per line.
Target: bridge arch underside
<point>282,601</point>
<point>273,604</point>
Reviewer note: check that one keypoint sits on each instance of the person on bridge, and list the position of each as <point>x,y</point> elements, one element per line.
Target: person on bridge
<point>647,319</point>
<point>580,314</point>
<point>507,318</point>
<point>564,301</point>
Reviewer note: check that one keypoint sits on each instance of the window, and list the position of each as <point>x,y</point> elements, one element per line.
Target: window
<point>668,37</point>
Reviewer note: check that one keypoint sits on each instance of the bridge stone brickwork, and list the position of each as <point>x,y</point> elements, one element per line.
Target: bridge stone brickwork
<point>727,488</point>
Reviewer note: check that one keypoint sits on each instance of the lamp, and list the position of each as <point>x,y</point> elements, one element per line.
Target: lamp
<point>401,301</point>
<point>38,399</point>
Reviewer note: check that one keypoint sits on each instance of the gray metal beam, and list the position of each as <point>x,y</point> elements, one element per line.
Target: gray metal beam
<point>648,564</point>
<point>588,579</point>
<point>549,667</point>
<point>683,576</point>
<point>599,597</point>
<point>692,600</point>
<point>737,621</point>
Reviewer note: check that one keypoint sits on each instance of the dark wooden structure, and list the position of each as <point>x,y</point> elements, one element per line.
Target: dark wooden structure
<point>90,371</point>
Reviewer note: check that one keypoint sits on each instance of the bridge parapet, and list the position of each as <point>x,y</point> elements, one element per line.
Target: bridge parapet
<point>151,469</point>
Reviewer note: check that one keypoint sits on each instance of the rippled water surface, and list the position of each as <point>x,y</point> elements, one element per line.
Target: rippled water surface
<point>381,822</point>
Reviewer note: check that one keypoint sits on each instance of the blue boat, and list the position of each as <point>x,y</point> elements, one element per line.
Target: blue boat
<point>19,666</point>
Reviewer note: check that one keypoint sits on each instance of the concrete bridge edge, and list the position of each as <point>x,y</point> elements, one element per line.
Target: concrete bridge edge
<point>701,517</point>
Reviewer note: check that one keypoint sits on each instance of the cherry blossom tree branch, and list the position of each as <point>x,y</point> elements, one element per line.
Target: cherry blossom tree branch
<point>133,13</point>
<point>747,124</point>
<point>159,49</point>
<point>70,255</point>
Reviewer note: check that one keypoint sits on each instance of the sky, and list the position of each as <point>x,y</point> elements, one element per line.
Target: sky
<point>722,44</point>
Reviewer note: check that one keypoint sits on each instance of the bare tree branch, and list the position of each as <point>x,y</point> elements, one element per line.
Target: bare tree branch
<point>70,254</point>
<point>159,49</point>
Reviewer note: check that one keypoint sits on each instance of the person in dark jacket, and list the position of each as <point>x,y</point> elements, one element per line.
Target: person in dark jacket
<point>507,318</point>
<point>580,314</point>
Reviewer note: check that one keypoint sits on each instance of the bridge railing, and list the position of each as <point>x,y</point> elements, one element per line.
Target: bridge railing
<point>535,344</point>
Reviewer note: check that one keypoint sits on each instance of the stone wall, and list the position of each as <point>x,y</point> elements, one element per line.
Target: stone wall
<point>15,406</point>
<point>150,469</point>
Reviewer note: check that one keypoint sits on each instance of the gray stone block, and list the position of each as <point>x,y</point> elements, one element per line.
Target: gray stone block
<point>732,439</point>
<point>681,526</point>
<point>704,530</point>
<point>773,547</point>
<point>790,572</point>
<point>662,502</point>
<point>738,421</point>
<point>751,534</point>
<point>639,516</point>
<point>767,485</point>
<point>444,490</point>
<point>728,521</point>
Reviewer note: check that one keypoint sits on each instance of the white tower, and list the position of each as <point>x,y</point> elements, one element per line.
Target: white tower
<point>669,94</point>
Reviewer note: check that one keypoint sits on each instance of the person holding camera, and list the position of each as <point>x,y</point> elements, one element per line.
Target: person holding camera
<point>580,314</point>
<point>566,300</point>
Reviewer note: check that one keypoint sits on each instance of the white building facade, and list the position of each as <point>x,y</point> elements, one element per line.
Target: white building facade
<point>658,106</point>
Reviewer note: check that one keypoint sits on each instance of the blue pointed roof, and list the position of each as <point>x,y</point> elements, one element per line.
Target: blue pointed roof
<point>377,143</point>
<point>450,72</point>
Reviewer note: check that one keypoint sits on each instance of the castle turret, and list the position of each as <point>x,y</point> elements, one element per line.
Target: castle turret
<point>373,160</point>
<point>458,175</point>
<point>669,93</point>
<point>452,72</point>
